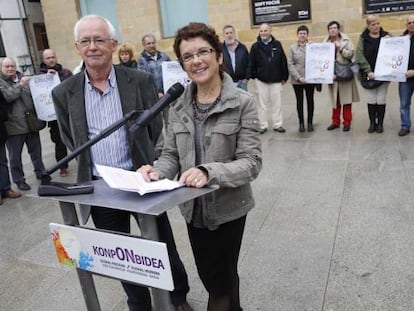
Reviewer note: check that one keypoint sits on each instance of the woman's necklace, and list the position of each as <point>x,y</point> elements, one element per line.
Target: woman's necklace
<point>201,114</point>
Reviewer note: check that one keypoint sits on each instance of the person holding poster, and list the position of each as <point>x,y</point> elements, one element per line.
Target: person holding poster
<point>15,88</point>
<point>296,65</point>
<point>406,89</point>
<point>366,57</point>
<point>342,93</point>
<point>51,66</point>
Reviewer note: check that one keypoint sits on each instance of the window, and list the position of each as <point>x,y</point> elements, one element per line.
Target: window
<point>2,49</point>
<point>175,14</point>
<point>105,8</point>
<point>41,37</point>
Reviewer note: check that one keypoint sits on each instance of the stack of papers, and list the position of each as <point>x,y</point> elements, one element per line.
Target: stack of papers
<point>132,181</point>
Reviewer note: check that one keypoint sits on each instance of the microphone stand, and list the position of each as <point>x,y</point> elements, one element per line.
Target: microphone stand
<point>48,187</point>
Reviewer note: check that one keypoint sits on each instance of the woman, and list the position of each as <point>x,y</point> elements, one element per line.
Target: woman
<point>366,56</point>
<point>296,65</point>
<point>126,56</point>
<point>342,93</point>
<point>213,138</point>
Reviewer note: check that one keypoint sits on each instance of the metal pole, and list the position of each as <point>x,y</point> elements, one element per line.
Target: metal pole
<point>87,284</point>
<point>149,231</point>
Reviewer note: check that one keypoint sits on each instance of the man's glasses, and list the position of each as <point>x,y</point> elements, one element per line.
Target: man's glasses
<point>83,43</point>
<point>201,53</point>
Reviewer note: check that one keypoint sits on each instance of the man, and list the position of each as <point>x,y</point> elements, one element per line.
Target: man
<point>91,101</point>
<point>150,61</point>
<point>270,70</point>
<point>15,88</point>
<point>51,66</point>
<point>5,188</point>
<point>406,89</point>
<point>236,58</point>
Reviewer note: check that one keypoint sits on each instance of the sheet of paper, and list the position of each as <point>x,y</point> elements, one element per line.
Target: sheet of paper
<point>319,63</point>
<point>392,59</point>
<point>131,181</point>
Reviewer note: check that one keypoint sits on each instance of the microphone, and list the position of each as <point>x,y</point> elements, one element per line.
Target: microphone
<point>147,116</point>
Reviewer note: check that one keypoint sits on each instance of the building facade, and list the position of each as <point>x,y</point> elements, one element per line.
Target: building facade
<point>134,18</point>
<point>22,33</point>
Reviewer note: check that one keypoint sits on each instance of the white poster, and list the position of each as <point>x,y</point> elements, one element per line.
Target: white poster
<point>172,72</point>
<point>319,64</point>
<point>41,88</point>
<point>122,257</point>
<point>392,59</point>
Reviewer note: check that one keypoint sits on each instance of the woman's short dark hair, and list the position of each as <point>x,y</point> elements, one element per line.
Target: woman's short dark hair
<point>334,23</point>
<point>194,30</point>
<point>302,28</point>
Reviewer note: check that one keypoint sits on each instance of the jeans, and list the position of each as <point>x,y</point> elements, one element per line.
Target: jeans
<point>34,148</point>
<point>242,85</point>
<point>405,91</point>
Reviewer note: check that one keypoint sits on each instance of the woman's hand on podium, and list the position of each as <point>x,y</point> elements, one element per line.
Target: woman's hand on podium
<point>194,177</point>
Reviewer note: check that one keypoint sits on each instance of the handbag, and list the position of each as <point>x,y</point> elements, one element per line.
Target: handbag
<point>344,72</point>
<point>369,84</point>
<point>33,122</point>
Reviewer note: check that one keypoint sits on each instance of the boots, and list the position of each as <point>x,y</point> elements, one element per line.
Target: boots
<point>372,112</point>
<point>380,113</point>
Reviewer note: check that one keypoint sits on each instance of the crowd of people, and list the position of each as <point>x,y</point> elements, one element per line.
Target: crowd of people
<point>209,136</point>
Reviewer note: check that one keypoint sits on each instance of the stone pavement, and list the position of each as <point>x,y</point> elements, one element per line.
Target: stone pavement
<point>332,228</point>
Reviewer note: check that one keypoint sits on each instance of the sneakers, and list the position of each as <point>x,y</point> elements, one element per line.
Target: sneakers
<point>262,131</point>
<point>23,186</point>
<point>279,129</point>
<point>63,172</point>
<point>346,128</point>
<point>403,132</point>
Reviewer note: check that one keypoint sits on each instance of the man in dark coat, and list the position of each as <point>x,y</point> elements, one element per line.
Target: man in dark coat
<point>270,70</point>
<point>51,66</point>
<point>236,58</point>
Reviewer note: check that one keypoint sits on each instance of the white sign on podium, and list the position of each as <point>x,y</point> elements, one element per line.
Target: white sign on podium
<point>122,257</point>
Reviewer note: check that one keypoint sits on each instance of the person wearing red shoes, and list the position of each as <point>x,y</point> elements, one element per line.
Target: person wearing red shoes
<point>342,93</point>
<point>5,188</point>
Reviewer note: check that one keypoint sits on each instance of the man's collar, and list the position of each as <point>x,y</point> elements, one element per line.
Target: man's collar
<point>111,77</point>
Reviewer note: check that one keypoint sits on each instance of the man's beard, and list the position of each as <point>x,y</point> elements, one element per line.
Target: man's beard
<point>230,41</point>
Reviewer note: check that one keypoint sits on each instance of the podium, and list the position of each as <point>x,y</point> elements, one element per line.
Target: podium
<point>148,207</point>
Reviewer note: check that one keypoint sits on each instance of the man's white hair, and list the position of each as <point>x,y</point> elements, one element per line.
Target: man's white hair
<point>111,28</point>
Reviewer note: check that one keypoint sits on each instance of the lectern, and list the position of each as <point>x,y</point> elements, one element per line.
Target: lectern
<point>148,207</point>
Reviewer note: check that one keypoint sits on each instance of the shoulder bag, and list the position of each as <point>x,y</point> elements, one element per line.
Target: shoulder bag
<point>33,122</point>
<point>344,72</point>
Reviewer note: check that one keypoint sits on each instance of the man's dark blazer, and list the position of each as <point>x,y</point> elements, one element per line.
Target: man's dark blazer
<point>137,92</point>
